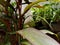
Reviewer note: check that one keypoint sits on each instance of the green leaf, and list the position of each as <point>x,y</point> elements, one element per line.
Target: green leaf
<point>36,37</point>
<point>30,5</point>
<point>54,0</point>
<point>25,43</point>
<point>47,31</point>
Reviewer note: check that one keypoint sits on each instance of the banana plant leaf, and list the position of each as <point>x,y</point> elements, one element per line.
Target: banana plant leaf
<point>36,37</point>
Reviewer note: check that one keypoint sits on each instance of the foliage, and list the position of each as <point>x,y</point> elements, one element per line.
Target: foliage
<point>12,19</point>
<point>30,5</point>
<point>47,14</point>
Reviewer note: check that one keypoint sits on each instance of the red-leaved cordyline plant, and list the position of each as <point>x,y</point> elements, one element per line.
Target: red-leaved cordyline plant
<point>8,22</point>
<point>12,18</point>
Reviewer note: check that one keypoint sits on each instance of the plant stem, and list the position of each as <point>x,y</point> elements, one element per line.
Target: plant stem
<point>19,2</point>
